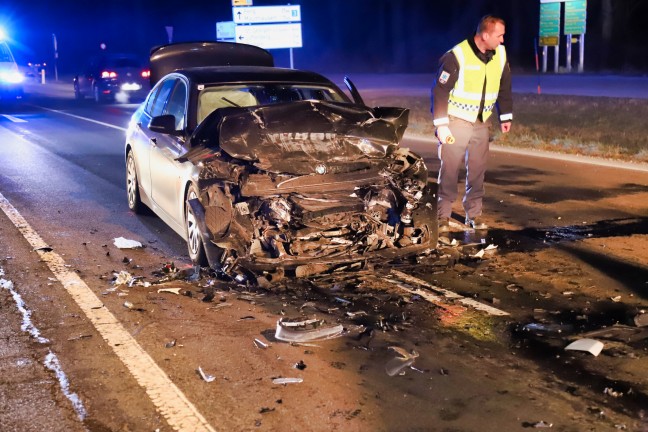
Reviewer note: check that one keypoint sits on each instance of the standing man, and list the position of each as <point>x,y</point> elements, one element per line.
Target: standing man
<point>473,77</point>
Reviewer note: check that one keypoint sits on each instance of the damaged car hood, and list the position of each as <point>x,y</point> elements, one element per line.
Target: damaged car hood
<point>302,137</point>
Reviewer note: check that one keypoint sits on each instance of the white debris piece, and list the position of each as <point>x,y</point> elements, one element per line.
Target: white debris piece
<point>123,278</point>
<point>207,378</point>
<point>306,330</point>
<point>396,365</point>
<point>287,380</point>
<point>124,243</point>
<point>170,290</point>
<point>592,346</point>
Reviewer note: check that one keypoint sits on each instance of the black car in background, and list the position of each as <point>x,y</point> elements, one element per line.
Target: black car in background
<point>113,77</point>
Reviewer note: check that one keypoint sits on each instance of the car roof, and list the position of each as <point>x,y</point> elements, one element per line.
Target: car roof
<point>235,74</point>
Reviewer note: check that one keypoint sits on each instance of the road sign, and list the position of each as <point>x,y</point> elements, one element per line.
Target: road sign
<point>549,20</point>
<point>225,30</point>
<point>270,36</point>
<point>266,14</point>
<point>241,2</point>
<point>575,17</point>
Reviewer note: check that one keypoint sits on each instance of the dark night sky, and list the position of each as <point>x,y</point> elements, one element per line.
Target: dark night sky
<point>338,35</point>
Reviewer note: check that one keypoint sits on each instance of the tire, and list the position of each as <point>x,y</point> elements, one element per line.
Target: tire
<point>77,93</point>
<point>195,245</point>
<point>132,187</point>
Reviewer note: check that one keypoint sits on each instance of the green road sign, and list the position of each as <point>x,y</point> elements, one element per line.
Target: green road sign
<point>549,20</point>
<point>575,17</point>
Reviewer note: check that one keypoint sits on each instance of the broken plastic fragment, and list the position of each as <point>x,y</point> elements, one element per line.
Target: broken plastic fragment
<point>124,243</point>
<point>592,346</point>
<point>169,290</point>
<point>260,344</point>
<point>305,330</point>
<point>287,380</point>
<point>404,360</point>
<point>542,424</point>
<point>123,278</point>
<point>641,320</point>
<point>207,378</point>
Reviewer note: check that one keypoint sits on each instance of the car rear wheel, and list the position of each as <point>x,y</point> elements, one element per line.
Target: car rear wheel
<point>194,236</point>
<point>132,188</point>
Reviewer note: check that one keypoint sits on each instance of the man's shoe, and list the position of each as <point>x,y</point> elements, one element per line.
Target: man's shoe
<point>444,224</point>
<point>476,224</point>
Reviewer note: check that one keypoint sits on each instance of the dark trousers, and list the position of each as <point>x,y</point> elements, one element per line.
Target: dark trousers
<point>470,147</point>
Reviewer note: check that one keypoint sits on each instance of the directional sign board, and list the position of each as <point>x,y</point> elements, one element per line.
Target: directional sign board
<point>270,36</point>
<point>266,14</point>
<point>575,17</point>
<point>549,23</point>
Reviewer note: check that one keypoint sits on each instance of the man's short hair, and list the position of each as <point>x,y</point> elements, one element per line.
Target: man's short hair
<point>487,22</point>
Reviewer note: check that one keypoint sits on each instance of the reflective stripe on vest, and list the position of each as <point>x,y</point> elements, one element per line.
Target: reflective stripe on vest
<point>465,97</point>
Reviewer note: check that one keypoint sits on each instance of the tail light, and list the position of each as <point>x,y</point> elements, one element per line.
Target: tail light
<point>108,74</point>
<point>146,73</point>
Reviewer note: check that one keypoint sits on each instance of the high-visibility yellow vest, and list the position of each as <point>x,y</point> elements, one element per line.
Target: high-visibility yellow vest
<point>466,95</point>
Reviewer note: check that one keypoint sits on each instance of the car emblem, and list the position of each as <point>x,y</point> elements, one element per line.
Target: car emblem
<point>320,169</point>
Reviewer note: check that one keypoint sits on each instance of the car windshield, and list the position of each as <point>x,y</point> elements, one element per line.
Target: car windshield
<point>212,98</point>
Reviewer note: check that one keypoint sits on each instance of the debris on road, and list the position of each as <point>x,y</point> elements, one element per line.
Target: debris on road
<point>175,291</point>
<point>260,344</point>
<point>306,330</point>
<point>205,377</point>
<point>641,320</point>
<point>287,380</point>
<point>592,346</point>
<point>397,365</point>
<point>124,243</point>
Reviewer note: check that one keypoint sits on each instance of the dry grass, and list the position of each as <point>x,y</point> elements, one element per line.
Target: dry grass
<point>594,126</point>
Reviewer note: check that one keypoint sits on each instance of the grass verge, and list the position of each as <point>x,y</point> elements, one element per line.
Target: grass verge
<point>607,127</point>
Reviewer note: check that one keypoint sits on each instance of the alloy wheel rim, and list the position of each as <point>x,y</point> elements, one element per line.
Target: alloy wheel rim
<point>193,234</point>
<point>131,179</point>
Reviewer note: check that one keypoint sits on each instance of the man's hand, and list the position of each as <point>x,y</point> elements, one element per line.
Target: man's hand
<point>505,127</point>
<point>444,135</point>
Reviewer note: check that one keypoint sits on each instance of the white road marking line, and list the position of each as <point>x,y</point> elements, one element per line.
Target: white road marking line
<point>446,293</point>
<point>84,118</point>
<point>14,119</point>
<point>51,361</point>
<point>179,412</point>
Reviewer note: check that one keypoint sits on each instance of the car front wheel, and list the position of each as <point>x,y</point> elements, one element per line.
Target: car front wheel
<point>194,236</point>
<point>132,188</point>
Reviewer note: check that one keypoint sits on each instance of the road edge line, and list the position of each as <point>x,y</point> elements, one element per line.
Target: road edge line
<point>176,408</point>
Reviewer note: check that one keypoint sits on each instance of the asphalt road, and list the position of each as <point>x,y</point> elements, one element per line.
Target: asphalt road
<point>560,226</point>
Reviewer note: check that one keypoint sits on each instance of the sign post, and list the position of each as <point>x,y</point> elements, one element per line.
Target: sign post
<point>574,24</point>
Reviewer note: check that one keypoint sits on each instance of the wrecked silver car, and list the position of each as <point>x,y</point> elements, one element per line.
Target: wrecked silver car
<point>273,171</point>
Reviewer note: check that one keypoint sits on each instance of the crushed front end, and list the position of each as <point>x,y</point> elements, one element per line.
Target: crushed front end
<point>309,187</point>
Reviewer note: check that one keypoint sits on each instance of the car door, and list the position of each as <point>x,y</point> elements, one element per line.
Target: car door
<point>167,183</point>
<point>143,139</point>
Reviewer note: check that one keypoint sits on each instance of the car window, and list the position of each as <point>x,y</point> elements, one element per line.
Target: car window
<point>177,103</point>
<point>213,98</point>
<point>157,107</point>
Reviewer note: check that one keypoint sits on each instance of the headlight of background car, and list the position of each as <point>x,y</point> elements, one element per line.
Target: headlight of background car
<point>11,77</point>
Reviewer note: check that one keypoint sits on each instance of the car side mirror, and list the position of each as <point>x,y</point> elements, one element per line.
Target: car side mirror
<point>165,124</point>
